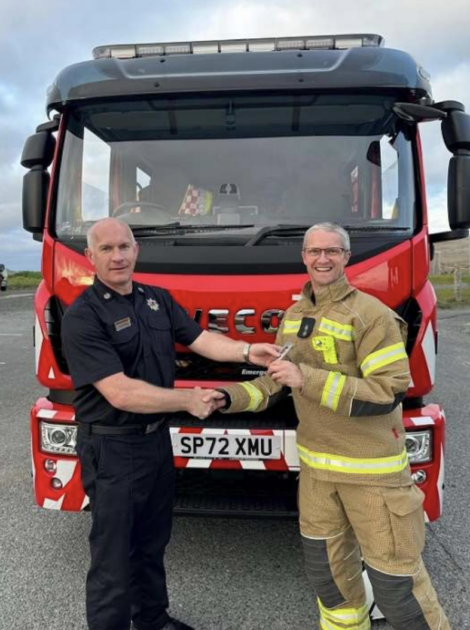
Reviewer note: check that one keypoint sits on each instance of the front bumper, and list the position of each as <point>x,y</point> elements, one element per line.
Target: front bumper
<point>57,484</point>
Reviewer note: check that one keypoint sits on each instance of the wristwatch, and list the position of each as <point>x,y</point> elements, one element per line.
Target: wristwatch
<point>246,352</point>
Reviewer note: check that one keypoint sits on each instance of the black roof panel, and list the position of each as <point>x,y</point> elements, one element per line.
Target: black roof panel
<point>351,69</point>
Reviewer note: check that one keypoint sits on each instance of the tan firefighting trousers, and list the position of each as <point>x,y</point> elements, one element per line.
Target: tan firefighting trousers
<point>338,522</point>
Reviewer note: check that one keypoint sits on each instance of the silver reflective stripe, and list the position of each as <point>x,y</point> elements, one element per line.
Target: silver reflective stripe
<point>356,618</point>
<point>362,625</point>
<point>332,390</point>
<point>255,396</point>
<point>379,465</point>
<point>335,329</point>
<point>383,357</point>
<point>291,326</point>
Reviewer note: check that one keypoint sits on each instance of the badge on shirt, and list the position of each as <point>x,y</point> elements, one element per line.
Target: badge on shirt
<point>123,323</point>
<point>306,327</point>
<point>153,304</point>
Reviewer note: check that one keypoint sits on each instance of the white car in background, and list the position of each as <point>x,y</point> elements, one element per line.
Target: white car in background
<point>3,277</point>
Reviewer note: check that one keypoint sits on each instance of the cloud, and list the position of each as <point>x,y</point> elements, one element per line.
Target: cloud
<point>37,42</point>
<point>8,99</point>
<point>454,84</point>
<point>437,211</point>
<point>10,213</point>
<point>19,252</point>
<point>428,31</point>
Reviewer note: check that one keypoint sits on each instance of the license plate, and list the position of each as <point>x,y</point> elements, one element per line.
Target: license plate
<point>218,446</point>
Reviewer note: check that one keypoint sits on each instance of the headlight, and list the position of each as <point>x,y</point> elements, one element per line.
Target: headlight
<point>419,446</point>
<point>58,438</point>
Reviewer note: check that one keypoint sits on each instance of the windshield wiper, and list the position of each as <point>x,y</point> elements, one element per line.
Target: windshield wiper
<point>276,230</point>
<point>281,230</point>
<point>179,228</point>
<point>144,229</point>
<point>375,228</point>
<point>299,230</point>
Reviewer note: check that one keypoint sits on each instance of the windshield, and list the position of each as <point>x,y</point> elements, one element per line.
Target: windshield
<point>238,161</point>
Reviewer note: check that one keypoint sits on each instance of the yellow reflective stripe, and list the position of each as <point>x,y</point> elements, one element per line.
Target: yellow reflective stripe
<point>291,326</point>
<point>364,625</point>
<point>342,618</point>
<point>353,625</point>
<point>383,357</point>
<point>343,613</point>
<point>256,397</point>
<point>337,330</point>
<point>332,390</point>
<point>353,465</point>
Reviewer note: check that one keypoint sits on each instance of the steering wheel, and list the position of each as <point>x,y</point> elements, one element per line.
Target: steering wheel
<point>148,206</point>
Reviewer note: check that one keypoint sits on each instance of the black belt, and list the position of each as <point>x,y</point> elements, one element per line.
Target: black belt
<point>130,429</point>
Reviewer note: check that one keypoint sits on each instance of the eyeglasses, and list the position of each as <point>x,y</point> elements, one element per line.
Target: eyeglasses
<point>330,252</point>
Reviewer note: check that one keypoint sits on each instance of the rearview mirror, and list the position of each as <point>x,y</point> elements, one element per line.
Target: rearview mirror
<point>37,156</point>
<point>415,113</point>
<point>458,192</point>
<point>450,235</point>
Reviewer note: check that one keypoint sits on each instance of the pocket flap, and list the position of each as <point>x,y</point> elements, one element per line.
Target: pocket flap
<point>124,334</point>
<point>159,323</point>
<point>403,501</point>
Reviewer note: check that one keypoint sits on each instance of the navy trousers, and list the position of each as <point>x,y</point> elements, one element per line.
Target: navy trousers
<point>130,482</point>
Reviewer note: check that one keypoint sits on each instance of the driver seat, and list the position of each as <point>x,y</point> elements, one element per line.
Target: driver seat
<point>145,193</point>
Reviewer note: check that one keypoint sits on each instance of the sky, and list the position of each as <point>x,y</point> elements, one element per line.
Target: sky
<point>39,39</point>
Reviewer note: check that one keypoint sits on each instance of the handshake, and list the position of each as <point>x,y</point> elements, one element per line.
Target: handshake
<point>202,402</point>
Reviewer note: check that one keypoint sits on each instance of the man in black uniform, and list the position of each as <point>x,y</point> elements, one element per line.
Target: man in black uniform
<point>118,339</point>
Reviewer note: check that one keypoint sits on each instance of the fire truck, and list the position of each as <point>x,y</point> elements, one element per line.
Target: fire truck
<point>219,155</point>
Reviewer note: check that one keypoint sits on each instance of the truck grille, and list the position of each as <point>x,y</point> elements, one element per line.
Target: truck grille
<point>190,367</point>
<point>236,493</point>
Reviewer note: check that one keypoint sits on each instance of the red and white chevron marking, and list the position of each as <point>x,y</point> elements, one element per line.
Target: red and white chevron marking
<point>421,421</point>
<point>54,414</point>
<point>429,350</point>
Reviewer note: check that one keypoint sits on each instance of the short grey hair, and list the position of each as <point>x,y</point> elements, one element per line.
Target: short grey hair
<point>90,235</point>
<point>329,227</point>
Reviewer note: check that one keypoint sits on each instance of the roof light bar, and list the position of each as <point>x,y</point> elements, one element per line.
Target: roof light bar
<point>278,44</point>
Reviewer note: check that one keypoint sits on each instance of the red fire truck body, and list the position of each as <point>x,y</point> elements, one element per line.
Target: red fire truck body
<point>219,162</point>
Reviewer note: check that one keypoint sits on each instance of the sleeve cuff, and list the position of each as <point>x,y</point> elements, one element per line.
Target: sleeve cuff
<point>93,377</point>
<point>239,399</point>
<point>314,381</point>
<point>228,400</point>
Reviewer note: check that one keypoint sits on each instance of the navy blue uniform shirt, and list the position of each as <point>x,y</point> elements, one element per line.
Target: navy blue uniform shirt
<point>104,333</point>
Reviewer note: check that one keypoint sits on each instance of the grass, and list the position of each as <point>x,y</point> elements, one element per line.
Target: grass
<point>24,280</point>
<point>446,297</point>
<point>445,291</point>
<point>447,278</point>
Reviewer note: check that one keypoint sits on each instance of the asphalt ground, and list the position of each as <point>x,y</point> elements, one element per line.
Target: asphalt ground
<point>223,574</point>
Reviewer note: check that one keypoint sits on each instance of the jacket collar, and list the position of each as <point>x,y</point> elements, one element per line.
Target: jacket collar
<point>333,292</point>
<point>105,293</point>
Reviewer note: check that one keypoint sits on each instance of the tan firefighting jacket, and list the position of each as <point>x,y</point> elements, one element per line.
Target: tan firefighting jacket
<point>350,349</point>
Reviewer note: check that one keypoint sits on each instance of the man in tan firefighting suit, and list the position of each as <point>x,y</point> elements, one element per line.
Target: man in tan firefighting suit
<point>348,373</point>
